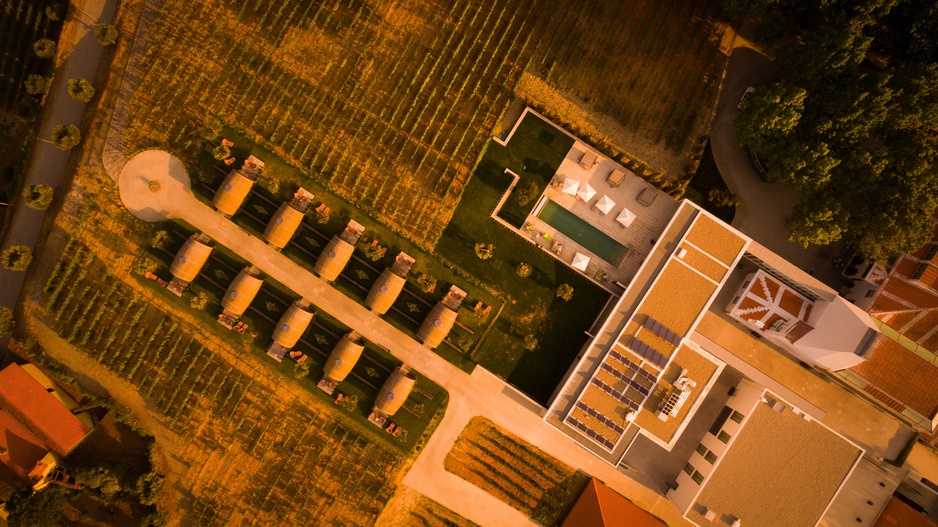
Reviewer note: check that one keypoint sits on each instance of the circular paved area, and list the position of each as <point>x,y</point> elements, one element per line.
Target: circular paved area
<point>154,186</point>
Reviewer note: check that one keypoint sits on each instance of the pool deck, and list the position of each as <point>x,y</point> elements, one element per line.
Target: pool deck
<point>638,238</point>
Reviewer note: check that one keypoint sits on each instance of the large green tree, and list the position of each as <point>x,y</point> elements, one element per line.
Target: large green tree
<point>849,122</point>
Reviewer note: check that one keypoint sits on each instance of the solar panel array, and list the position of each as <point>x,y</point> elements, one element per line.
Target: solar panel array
<point>625,378</point>
<point>621,397</point>
<point>662,331</point>
<point>595,414</point>
<point>632,366</point>
<point>591,433</point>
<point>645,351</point>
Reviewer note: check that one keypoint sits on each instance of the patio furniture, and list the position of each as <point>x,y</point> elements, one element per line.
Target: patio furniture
<point>647,196</point>
<point>586,193</point>
<point>587,160</point>
<point>615,177</point>
<point>570,186</point>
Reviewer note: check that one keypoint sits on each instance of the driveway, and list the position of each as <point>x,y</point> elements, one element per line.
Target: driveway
<point>48,164</point>
<point>155,186</point>
<point>764,207</point>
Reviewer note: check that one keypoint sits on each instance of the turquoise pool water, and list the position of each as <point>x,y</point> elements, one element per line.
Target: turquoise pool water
<point>582,232</point>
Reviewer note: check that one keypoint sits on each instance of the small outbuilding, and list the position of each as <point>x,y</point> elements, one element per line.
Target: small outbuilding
<point>389,285</point>
<point>341,361</point>
<point>392,395</point>
<point>438,323</point>
<point>338,252</point>
<point>241,293</point>
<point>290,329</point>
<point>188,262</point>
<point>287,219</point>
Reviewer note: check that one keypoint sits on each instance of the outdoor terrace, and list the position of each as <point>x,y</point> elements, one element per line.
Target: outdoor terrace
<point>651,216</point>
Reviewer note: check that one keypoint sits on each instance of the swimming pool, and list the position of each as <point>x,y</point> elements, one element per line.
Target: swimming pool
<point>581,232</point>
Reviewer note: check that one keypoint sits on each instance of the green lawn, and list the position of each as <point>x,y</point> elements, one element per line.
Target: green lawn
<point>534,152</point>
<point>532,306</point>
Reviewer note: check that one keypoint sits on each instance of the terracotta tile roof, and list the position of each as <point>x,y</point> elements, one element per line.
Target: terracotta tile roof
<point>898,514</point>
<point>901,294</point>
<point>600,506</point>
<point>903,375</point>
<point>38,411</point>
<point>22,449</point>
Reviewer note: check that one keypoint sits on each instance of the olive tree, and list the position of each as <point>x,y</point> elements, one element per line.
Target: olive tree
<point>66,137</point>
<point>106,34</point>
<point>38,196</point>
<point>80,90</point>
<point>16,258</point>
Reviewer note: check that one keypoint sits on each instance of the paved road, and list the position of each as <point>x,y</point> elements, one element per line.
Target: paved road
<point>480,393</point>
<point>764,207</point>
<point>48,164</point>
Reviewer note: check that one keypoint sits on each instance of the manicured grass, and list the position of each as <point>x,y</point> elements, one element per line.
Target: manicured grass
<point>534,152</point>
<point>533,307</point>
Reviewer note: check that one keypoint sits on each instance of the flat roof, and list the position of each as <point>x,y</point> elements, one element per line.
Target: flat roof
<point>780,469</point>
<point>701,257</point>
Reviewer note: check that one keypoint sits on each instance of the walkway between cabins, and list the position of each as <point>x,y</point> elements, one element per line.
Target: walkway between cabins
<point>154,186</point>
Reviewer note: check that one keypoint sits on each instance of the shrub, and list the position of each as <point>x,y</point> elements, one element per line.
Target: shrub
<point>530,342</point>
<point>66,137</point>
<point>322,216</point>
<point>199,300</point>
<point>211,128</point>
<point>349,402</point>
<point>160,239</point>
<point>106,34</point>
<point>44,48</point>
<point>80,90</point>
<point>565,292</point>
<point>38,197</point>
<point>35,84</point>
<point>16,257</point>
<point>301,370</point>
<point>484,250</point>
<point>270,306</point>
<point>525,193</point>
<point>28,509</point>
<point>722,198</point>
<point>6,320</point>
<point>221,152</point>
<point>143,265</point>
<point>149,488</point>
<point>426,282</point>
<point>524,270</point>
<point>374,252</point>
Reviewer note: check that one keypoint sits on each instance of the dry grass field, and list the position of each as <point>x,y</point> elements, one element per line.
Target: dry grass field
<point>390,103</point>
<point>515,472</point>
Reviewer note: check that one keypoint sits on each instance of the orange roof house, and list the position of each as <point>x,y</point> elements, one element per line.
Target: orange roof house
<point>39,411</point>
<point>903,370</point>
<point>37,425</point>
<point>899,514</point>
<point>600,506</point>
